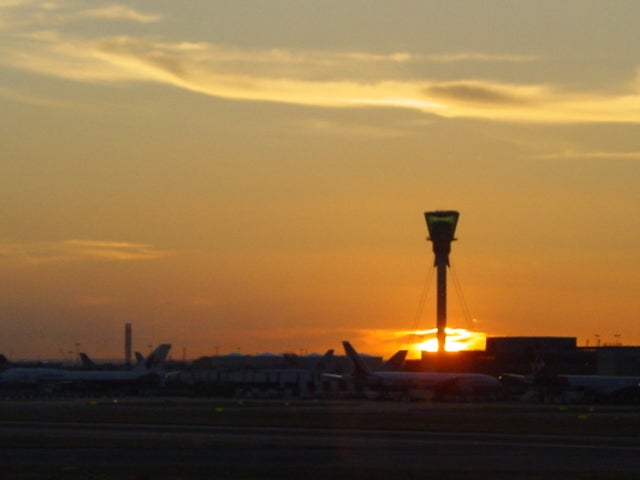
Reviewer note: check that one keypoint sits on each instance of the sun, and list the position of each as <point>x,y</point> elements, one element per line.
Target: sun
<point>458,339</point>
<point>388,342</point>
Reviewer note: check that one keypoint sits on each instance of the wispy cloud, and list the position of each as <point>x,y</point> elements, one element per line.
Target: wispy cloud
<point>76,249</point>
<point>481,57</point>
<point>190,68</point>
<point>118,12</point>
<point>318,79</point>
<point>569,154</point>
<point>485,93</point>
<point>29,98</point>
<point>351,130</point>
<point>36,13</point>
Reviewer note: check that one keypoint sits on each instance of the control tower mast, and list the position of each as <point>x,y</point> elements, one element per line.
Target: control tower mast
<point>442,227</point>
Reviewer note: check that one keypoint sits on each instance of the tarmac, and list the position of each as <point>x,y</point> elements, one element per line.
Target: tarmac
<point>222,438</point>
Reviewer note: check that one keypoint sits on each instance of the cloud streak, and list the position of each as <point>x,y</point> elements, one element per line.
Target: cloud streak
<point>78,250</point>
<point>15,95</point>
<point>570,154</point>
<point>118,12</point>
<point>481,57</point>
<point>314,79</point>
<point>35,13</point>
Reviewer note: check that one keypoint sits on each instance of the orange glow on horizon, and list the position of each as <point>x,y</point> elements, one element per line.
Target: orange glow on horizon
<point>458,339</point>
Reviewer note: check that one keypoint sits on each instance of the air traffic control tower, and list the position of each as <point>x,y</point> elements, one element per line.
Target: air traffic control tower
<point>442,226</point>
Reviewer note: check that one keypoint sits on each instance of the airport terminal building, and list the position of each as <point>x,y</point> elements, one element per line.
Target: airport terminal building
<point>517,355</point>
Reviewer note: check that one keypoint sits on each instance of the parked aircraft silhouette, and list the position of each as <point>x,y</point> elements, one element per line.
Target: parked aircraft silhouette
<point>437,384</point>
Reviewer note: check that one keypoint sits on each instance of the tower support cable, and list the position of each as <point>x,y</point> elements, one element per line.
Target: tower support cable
<point>463,303</point>
<point>423,299</point>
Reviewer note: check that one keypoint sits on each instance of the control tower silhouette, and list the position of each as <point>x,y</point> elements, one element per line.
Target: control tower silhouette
<point>442,226</point>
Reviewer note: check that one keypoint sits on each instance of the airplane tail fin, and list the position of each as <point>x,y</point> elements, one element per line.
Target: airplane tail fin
<point>540,371</point>
<point>360,368</point>
<point>86,361</point>
<point>4,362</point>
<point>545,375</point>
<point>325,364</point>
<point>156,359</point>
<point>396,362</point>
<point>139,358</point>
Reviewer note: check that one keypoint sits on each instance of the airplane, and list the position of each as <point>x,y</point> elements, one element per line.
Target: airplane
<point>88,364</point>
<point>602,388</point>
<point>544,384</point>
<point>396,362</point>
<point>325,363</point>
<point>419,384</point>
<point>148,372</point>
<point>251,381</point>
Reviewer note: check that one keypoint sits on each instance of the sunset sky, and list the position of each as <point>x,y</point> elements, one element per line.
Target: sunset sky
<point>251,176</point>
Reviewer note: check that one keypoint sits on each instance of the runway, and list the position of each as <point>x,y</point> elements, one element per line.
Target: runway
<point>187,450</point>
